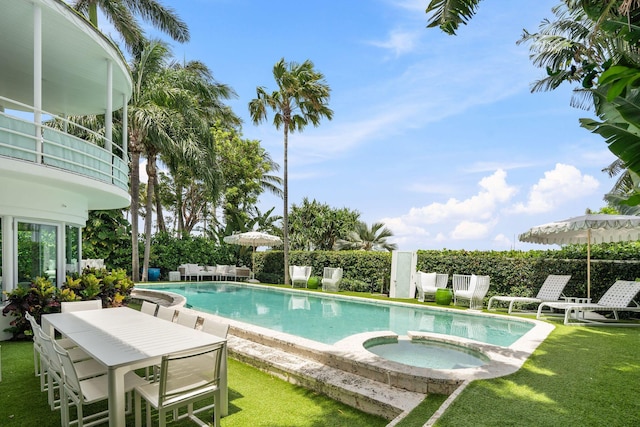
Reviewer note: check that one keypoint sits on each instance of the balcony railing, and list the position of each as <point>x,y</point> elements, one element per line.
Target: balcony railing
<point>64,151</point>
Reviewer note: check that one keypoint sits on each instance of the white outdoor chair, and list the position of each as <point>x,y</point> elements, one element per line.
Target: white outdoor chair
<point>85,368</point>
<point>619,297</point>
<point>221,271</point>
<point>187,319</point>
<point>80,392</point>
<point>551,290</point>
<point>470,288</point>
<point>71,306</point>
<point>214,327</point>
<point>36,345</point>
<point>166,313</point>
<point>185,377</point>
<point>428,283</point>
<point>39,370</point>
<point>207,271</point>
<point>243,273</point>
<point>190,271</point>
<point>331,279</point>
<point>299,275</point>
<point>149,308</point>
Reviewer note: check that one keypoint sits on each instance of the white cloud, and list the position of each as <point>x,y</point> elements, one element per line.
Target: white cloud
<point>471,218</point>
<point>466,230</point>
<point>494,190</point>
<point>502,241</point>
<point>558,186</point>
<point>400,42</point>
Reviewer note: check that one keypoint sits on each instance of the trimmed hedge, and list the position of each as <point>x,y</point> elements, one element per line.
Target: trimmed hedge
<point>512,272</point>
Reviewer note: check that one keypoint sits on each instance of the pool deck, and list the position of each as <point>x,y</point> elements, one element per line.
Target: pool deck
<point>347,372</point>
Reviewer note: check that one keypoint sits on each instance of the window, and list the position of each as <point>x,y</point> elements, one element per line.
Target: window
<point>37,249</point>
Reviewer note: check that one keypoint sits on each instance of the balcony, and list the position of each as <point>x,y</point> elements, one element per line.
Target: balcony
<point>62,151</point>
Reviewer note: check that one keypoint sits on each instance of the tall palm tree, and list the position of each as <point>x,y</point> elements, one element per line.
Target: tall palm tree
<point>368,239</point>
<point>122,14</point>
<point>189,102</point>
<point>302,97</point>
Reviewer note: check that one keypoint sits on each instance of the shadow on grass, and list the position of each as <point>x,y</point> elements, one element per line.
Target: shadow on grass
<point>256,399</point>
<point>578,376</point>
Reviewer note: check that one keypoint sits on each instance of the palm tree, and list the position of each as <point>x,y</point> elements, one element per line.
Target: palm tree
<point>188,102</point>
<point>368,239</point>
<point>122,13</point>
<point>302,98</point>
<point>449,14</point>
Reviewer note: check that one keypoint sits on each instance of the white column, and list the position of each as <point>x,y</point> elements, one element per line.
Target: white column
<point>125,127</point>
<point>9,254</point>
<point>37,79</point>
<point>108,115</point>
<point>61,259</point>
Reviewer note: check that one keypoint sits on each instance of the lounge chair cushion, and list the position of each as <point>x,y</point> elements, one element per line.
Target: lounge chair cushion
<point>299,271</point>
<point>335,275</point>
<point>427,280</point>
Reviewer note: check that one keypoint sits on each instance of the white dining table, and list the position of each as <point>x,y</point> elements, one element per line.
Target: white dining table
<point>123,339</point>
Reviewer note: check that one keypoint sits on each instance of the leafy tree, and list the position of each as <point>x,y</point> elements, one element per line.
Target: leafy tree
<point>245,167</point>
<point>107,235</point>
<point>368,239</point>
<point>317,226</point>
<point>302,97</point>
<point>122,15</point>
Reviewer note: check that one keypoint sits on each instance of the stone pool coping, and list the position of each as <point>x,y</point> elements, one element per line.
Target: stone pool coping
<point>350,355</point>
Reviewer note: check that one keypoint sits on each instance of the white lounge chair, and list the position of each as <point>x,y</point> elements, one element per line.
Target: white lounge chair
<point>428,283</point>
<point>299,275</point>
<point>551,290</point>
<point>331,279</point>
<point>470,288</point>
<point>619,297</point>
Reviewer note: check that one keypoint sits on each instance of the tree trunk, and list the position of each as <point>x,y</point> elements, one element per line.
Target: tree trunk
<point>148,219</point>
<point>285,214</point>
<point>162,227</point>
<point>135,202</point>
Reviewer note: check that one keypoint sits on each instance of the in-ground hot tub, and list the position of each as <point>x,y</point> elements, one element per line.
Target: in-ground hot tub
<point>423,353</point>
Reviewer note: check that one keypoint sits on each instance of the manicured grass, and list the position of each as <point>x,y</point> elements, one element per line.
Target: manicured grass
<point>579,376</point>
<point>255,399</point>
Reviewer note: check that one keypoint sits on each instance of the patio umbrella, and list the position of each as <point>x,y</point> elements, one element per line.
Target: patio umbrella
<point>589,229</point>
<point>253,239</point>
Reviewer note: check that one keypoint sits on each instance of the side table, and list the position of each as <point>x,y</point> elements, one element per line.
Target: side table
<point>174,276</point>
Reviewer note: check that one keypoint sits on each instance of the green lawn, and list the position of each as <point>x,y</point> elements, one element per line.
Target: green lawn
<point>579,376</point>
<point>255,399</point>
<point>583,376</point>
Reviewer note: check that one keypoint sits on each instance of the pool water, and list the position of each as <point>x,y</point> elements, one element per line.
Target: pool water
<point>427,354</point>
<point>329,318</point>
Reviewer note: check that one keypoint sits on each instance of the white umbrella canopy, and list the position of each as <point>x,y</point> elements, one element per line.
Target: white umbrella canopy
<point>586,229</point>
<point>253,239</point>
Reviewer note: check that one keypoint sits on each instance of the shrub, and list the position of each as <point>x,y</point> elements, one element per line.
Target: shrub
<point>42,297</point>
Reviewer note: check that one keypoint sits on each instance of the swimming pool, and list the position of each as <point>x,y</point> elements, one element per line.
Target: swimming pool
<point>335,330</point>
<point>330,318</point>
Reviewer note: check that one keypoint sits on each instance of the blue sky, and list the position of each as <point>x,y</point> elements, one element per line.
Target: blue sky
<point>436,136</point>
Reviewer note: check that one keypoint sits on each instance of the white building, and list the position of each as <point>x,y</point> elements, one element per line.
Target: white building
<point>54,63</point>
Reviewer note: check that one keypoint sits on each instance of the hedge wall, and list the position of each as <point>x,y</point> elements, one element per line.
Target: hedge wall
<point>511,272</point>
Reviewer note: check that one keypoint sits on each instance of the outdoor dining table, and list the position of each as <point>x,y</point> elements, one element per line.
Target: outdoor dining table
<point>123,339</point>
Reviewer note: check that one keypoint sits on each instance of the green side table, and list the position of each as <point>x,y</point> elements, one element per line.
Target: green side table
<point>444,296</point>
